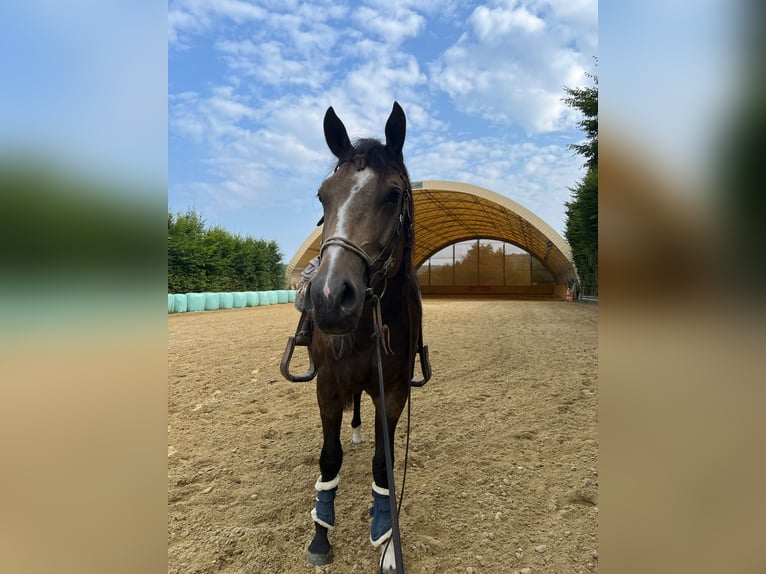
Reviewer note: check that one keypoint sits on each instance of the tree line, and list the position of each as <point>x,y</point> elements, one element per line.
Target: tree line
<point>212,259</point>
<point>582,212</point>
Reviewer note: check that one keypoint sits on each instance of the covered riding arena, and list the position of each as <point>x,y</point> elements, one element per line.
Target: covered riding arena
<point>469,239</point>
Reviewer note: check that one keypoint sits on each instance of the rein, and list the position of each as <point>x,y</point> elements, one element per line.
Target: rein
<point>379,331</point>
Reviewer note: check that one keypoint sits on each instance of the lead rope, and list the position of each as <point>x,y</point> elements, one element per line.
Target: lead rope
<point>395,537</point>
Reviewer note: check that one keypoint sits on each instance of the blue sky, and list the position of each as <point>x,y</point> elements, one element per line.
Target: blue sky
<point>481,85</point>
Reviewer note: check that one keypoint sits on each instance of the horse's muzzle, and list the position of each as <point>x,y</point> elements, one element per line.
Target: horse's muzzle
<point>336,304</point>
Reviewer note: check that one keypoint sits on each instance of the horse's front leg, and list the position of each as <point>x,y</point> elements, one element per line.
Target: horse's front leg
<point>330,461</point>
<point>382,526</point>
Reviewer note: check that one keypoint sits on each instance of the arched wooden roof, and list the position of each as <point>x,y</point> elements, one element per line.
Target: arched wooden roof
<point>448,211</point>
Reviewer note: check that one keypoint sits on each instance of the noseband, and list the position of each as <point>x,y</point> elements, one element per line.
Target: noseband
<point>381,265</point>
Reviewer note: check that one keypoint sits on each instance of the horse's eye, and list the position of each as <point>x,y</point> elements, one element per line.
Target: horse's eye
<point>393,195</point>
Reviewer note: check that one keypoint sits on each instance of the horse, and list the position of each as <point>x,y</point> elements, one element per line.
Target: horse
<point>364,301</point>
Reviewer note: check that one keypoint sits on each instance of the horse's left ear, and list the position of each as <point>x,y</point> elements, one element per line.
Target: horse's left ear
<point>396,129</point>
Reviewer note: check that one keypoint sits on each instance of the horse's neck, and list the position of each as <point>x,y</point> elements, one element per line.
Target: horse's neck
<point>398,290</point>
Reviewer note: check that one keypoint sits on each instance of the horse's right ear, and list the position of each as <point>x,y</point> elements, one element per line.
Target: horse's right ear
<point>335,135</point>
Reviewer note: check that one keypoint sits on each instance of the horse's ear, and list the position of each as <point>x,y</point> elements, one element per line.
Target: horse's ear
<point>396,129</point>
<point>335,135</point>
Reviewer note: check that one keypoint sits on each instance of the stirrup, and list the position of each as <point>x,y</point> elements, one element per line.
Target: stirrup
<point>302,338</point>
<point>425,367</point>
<point>284,366</point>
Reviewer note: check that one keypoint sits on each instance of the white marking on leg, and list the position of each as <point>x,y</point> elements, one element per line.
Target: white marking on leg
<point>356,435</point>
<point>388,558</point>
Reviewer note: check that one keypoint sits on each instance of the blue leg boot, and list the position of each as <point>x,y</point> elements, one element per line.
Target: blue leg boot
<point>324,511</point>
<point>380,529</point>
<point>323,514</point>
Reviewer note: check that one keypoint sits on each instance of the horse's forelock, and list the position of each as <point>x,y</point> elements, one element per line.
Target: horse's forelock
<point>375,155</point>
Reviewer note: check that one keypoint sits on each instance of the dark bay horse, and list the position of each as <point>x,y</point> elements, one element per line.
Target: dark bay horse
<point>365,282</point>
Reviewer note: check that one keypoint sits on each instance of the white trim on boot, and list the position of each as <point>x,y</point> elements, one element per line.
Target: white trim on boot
<point>329,485</point>
<point>319,521</point>
<point>387,534</point>
<point>322,486</point>
<point>380,490</point>
<point>383,537</point>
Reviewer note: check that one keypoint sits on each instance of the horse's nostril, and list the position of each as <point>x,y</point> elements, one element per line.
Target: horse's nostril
<point>348,296</point>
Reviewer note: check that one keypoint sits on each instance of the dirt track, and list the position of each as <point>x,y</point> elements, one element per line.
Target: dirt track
<point>503,453</point>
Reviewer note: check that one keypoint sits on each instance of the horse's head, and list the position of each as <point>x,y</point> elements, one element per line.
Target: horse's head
<point>367,206</point>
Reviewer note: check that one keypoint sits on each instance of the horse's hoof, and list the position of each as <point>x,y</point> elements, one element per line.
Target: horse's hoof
<point>319,559</point>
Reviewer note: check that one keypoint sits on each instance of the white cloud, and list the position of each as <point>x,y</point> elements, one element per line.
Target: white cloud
<point>270,63</point>
<point>512,67</point>
<point>537,176</point>
<point>490,23</point>
<point>179,20</point>
<point>307,27</point>
<point>392,25</point>
<point>304,24</point>
<point>376,84</point>
<point>183,118</point>
<point>214,120</point>
<point>431,7</point>
<point>237,10</point>
<point>227,108</point>
<point>578,12</point>
<point>271,153</point>
<point>194,16</point>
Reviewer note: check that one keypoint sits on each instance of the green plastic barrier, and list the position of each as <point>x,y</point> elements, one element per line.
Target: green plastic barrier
<point>282,296</point>
<point>180,300</point>
<point>291,296</point>
<point>240,300</point>
<point>212,301</point>
<point>252,298</point>
<point>273,297</point>
<point>227,300</point>
<point>195,302</point>
<point>171,304</point>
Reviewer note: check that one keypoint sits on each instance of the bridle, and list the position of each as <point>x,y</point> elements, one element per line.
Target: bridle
<point>381,266</point>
